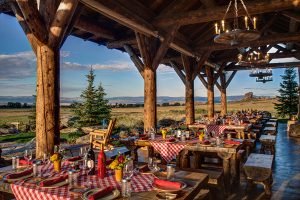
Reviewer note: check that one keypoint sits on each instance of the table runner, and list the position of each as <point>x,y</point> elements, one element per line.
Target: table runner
<point>25,191</point>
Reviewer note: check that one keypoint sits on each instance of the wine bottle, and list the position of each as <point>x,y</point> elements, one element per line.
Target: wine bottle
<point>101,164</point>
<point>91,160</point>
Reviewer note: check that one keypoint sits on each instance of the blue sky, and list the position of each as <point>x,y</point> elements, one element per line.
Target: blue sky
<point>113,68</point>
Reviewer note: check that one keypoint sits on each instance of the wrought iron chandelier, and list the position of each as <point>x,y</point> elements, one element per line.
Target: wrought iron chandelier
<point>262,75</point>
<point>236,35</point>
<point>253,57</point>
<point>264,79</point>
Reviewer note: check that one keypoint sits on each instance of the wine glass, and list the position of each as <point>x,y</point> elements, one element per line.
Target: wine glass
<point>151,164</point>
<point>27,156</point>
<point>128,169</point>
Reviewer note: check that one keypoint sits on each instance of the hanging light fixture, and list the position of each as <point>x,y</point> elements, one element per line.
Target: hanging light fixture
<point>262,75</point>
<point>236,35</point>
<point>253,57</point>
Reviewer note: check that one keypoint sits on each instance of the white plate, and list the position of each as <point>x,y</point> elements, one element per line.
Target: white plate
<point>166,189</point>
<point>113,195</point>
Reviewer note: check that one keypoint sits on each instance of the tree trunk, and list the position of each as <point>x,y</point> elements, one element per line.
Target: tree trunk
<point>189,100</point>
<point>210,93</point>
<point>223,95</point>
<point>47,100</point>
<point>149,98</point>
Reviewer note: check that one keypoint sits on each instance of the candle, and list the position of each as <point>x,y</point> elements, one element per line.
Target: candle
<point>216,28</point>
<point>254,22</point>
<point>246,22</point>
<point>223,25</point>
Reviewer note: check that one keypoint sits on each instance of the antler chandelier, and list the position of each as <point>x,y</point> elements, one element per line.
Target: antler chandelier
<point>236,35</point>
<point>253,57</point>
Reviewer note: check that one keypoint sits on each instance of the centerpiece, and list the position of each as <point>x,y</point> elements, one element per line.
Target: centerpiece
<point>56,159</point>
<point>117,165</point>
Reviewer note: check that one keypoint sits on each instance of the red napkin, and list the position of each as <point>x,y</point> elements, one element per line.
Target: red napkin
<point>74,158</point>
<point>20,174</point>
<point>168,184</point>
<point>24,162</point>
<point>109,161</point>
<point>232,142</point>
<point>206,142</point>
<point>171,140</point>
<point>53,181</point>
<point>101,193</point>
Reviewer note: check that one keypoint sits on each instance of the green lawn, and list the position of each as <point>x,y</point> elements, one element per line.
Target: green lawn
<point>26,137</point>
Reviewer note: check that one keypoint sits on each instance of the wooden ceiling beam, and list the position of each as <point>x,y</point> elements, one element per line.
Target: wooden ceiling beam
<point>230,78</point>
<point>217,13</point>
<point>264,40</point>
<point>178,71</point>
<point>233,67</point>
<point>135,59</point>
<point>202,79</point>
<point>291,14</point>
<point>84,23</point>
<point>128,18</point>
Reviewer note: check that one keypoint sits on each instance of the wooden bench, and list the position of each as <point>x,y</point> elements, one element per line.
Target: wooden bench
<point>267,144</point>
<point>258,169</point>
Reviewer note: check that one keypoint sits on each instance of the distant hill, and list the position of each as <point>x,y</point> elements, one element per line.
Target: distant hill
<point>114,100</point>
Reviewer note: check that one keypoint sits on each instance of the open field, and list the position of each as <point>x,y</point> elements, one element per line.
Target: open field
<point>131,116</point>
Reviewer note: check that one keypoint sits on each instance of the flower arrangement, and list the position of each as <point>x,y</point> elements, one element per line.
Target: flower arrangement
<point>56,157</point>
<point>118,163</point>
<point>201,136</point>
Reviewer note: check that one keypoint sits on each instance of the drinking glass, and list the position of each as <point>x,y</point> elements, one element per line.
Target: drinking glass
<point>46,158</point>
<point>128,170</point>
<point>151,164</point>
<point>27,156</point>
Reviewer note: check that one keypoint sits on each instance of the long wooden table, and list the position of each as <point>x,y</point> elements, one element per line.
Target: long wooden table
<point>195,183</point>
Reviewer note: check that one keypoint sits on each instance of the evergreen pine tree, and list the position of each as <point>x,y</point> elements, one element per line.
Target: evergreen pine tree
<point>288,99</point>
<point>103,109</point>
<point>94,107</point>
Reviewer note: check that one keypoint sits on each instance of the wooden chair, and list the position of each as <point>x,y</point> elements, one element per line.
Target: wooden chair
<point>100,138</point>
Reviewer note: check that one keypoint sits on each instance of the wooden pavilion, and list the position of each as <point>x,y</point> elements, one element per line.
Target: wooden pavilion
<point>177,33</point>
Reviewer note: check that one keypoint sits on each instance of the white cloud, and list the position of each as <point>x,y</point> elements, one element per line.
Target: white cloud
<point>114,66</point>
<point>17,66</point>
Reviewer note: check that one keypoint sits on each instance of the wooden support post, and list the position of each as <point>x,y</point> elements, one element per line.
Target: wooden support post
<point>45,29</point>
<point>47,99</point>
<point>223,95</point>
<point>149,98</point>
<point>210,93</point>
<point>189,90</point>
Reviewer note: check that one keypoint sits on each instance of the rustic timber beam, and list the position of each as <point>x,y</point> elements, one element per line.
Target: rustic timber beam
<point>178,71</point>
<point>270,65</point>
<point>33,19</point>
<point>292,14</point>
<point>230,78</point>
<point>73,21</point>
<point>20,18</point>
<point>143,47</point>
<point>120,43</point>
<point>114,11</point>
<point>267,26</point>
<point>217,13</point>
<point>218,86</point>
<point>200,64</point>
<point>85,24</point>
<point>135,59</point>
<point>202,79</point>
<point>61,22</point>
<point>265,40</point>
<point>219,72</point>
<point>164,46</point>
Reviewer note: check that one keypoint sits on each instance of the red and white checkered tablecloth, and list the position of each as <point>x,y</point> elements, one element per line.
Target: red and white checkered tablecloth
<point>168,150</point>
<point>25,191</point>
<point>218,129</point>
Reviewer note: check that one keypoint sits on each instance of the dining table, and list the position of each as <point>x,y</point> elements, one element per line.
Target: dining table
<point>180,150</point>
<point>141,184</point>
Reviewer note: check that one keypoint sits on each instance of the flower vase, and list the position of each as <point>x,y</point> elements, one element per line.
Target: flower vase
<point>164,135</point>
<point>57,165</point>
<point>118,175</point>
